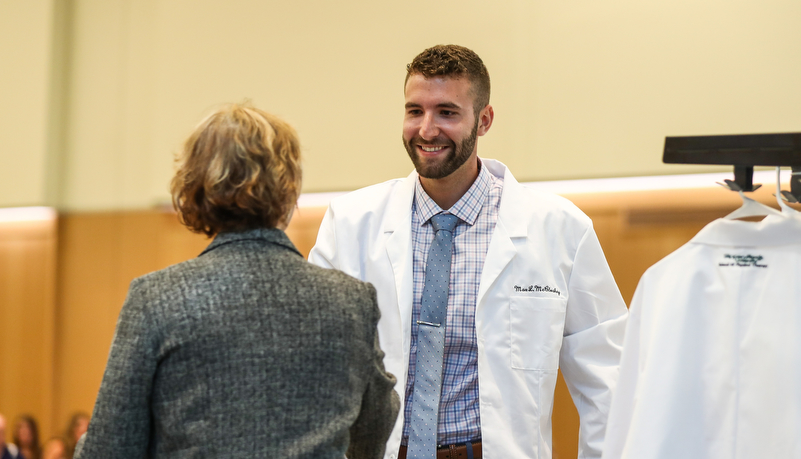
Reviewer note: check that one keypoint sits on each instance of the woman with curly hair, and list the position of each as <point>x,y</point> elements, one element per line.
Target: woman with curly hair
<point>247,350</point>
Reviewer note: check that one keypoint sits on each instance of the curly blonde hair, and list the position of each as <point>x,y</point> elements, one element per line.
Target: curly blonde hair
<point>239,170</point>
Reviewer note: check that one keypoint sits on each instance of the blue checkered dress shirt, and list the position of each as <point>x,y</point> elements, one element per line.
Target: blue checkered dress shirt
<point>477,210</point>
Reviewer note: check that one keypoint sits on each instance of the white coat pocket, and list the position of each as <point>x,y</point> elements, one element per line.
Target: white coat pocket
<point>536,327</point>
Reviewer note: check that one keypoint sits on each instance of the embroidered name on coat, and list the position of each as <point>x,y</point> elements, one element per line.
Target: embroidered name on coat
<point>538,288</point>
<point>743,261</point>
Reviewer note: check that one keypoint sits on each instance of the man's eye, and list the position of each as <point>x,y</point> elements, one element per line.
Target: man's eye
<point>447,113</point>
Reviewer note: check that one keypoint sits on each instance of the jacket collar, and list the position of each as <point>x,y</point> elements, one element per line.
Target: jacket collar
<point>772,231</point>
<point>400,205</point>
<point>512,203</point>
<point>269,235</point>
<point>512,200</point>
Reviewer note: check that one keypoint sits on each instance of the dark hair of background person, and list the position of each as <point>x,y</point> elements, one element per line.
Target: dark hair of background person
<point>29,449</point>
<point>456,62</point>
<point>239,170</point>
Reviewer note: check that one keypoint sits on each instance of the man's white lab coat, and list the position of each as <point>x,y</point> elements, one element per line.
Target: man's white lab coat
<point>546,300</point>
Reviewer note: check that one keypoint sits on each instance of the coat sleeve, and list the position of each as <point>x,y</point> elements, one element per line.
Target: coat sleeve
<point>380,403</point>
<point>621,412</point>
<point>324,251</point>
<point>593,338</point>
<point>120,425</point>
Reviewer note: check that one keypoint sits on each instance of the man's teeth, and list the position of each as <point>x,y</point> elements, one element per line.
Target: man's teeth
<point>430,148</point>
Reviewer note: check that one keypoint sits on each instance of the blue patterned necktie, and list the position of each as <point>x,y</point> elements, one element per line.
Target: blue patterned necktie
<point>431,341</point>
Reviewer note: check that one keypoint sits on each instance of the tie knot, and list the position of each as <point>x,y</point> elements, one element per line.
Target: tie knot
<point>444,222</point>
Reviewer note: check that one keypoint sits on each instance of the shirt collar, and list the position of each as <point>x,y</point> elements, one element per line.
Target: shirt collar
<point>467,208</point>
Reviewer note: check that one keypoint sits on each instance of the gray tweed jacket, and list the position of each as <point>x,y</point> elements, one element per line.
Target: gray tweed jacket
<point>246,351</point>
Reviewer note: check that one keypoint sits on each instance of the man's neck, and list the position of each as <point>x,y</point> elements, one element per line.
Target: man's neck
<point>448,190</point>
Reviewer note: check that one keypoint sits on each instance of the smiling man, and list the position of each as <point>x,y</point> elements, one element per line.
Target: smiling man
<point>486,287</point>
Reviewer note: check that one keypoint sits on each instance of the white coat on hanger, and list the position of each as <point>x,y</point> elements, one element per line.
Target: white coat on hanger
<point>711,363</point>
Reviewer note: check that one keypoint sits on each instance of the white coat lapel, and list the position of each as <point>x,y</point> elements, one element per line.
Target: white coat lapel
<point>510,225</point>
<point>398,233</point>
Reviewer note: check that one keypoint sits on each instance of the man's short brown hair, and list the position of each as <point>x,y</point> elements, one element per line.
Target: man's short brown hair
<point>239,170</point>
<point>456,62</point>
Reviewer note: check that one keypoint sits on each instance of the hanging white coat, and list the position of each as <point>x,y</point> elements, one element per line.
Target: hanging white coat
<point>711,366</point>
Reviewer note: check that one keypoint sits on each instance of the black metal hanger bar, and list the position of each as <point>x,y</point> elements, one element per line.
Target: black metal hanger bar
<point>743,151</point>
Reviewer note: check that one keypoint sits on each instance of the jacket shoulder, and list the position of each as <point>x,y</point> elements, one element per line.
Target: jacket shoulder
<point>547,205</point>
<point>367,198</point>
<point>366,211</point>
<point>521,201</point>
<point>336,278</point>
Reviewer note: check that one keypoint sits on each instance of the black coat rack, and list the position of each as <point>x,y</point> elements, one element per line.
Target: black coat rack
<point>743,151</point>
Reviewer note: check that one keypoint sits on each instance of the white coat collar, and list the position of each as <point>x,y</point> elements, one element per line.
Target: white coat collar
<point>400,205</point>
<point>512,204</point>
<point>771,231</point>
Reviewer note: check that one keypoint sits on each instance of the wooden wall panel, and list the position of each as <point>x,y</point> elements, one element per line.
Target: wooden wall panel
<point>57,348</point>
<point>565,423</point>
<point>27,286</point>
<point>101,253</point>
<point>88,293</point>
<point>302,230</point>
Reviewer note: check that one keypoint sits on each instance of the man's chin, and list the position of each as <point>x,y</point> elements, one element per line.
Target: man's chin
<point>429,168</point>
<point>432,172</point>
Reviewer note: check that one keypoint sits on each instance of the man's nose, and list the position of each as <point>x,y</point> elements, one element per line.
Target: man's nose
<point>428,127</point>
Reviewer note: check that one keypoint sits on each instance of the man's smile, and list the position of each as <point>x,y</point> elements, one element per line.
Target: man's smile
<point>433,148</point>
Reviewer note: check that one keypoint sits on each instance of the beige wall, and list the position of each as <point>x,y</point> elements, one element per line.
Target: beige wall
<point>581,89</point>
<point>26,28</point>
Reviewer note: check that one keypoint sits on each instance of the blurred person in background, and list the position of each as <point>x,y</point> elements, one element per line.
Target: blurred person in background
<point>54,448</point>
<point>7,450</point>
<point>79,423</point>
<point>247,350</point>
<point>26,437</point>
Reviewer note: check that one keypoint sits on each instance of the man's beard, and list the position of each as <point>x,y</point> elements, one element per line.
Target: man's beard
<point>455,159</point>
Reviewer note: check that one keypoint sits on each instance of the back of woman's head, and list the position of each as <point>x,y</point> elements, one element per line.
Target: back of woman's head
<point>239,170</point>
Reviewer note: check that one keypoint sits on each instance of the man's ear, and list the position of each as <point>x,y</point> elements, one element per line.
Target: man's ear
<point>485,117</point>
